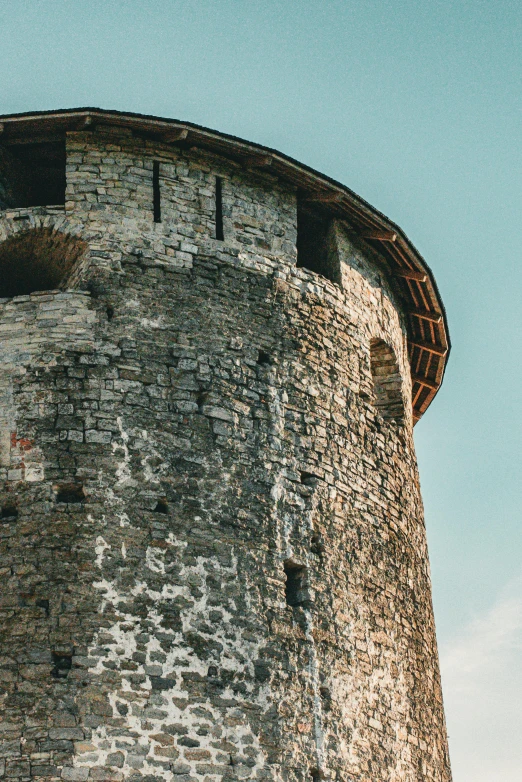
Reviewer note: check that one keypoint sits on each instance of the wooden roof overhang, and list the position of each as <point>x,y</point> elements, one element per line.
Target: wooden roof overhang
<point>428,336</point>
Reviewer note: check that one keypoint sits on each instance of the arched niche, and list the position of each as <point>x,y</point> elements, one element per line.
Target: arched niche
<point>387,381</point>
<point>37,260</point>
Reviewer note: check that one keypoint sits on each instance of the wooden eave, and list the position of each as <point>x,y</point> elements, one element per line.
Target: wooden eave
<point>428,336</point>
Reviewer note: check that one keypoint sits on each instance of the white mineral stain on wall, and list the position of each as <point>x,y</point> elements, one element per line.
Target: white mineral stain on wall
<point>123,471</point>
<point>101,546</point>
<point>142,741</point>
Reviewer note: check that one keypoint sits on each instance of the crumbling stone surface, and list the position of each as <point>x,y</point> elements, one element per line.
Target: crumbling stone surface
<point>213,554</point>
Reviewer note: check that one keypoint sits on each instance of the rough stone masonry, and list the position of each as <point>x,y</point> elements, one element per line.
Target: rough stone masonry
<point>213,554</point>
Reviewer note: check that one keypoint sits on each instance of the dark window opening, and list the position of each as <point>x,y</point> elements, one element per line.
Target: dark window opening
<point>309,479</point>
<point>37,260</point>
<point>110,311</point>
<point>315,248</point>
<point>9,513</point>
<point>70,493</point>
<point>62,665</point>
<point>156,195</point>
<point>43,603</point>
<point>161,506</point>
<point>219,209</point>
<point>317,545</point>
<point>296,587</point>
<point>32,175</point>
<point>201,399</point>
<point>263,357</point>
<point>387,381</point>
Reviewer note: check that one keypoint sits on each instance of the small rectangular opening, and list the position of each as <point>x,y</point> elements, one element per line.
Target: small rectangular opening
<point>161,506</point>
<point>296,587</point>
<point>219,209</point>
<point>70,493</point>
<point>32,175</point>
<point>315,250</point>
<point>9,513</point>
<point>263,358</point>
<point>156,195</point>
<point>62,665</point>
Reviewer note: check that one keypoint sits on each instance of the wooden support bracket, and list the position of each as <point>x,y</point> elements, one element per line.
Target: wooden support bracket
<point>433,317</point>
<point>325,198</point>
<point>430,347</point>
<point>411,274</point>
<point>425,382</point>
<point>177,134</point>
<point>380,236</point>
<point>2,126</point>
<point>257,161</point>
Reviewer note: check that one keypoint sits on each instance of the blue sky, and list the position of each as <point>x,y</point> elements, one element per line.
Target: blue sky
<point>416,105</point>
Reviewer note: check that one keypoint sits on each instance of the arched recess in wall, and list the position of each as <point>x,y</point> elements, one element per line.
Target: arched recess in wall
<point>38,260</point>
<point>387,381</point>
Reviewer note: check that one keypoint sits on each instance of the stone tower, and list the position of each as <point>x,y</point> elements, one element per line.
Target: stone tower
<point>213,557</point>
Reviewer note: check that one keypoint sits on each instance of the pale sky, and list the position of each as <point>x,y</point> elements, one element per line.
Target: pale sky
<point>415,105</point>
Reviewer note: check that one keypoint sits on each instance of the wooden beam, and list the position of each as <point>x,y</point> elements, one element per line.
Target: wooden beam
<point>411,274</point>
<point>437,350</point>
<point>433,317</point>
<point>26,140</point>
<point>425,382</point>
<point>177,134</point>
<point>380,236</point>
<point>325,198</point>
<point>257,161</point>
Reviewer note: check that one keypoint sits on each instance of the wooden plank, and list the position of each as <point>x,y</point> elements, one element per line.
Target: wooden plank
<point>47,139</point>
<point>437,350</point>
<point>257,161</point>
<point>411,274</point>
<point>381,236</point>
<point>433,317</point>
<point>425,382</point>
<point>325,198</point>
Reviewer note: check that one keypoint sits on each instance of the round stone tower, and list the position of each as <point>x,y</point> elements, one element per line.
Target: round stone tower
<point>213,553</point>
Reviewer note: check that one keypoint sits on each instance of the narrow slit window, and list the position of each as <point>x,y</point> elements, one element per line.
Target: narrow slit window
<point>219,209</point>
<point>156,195</point>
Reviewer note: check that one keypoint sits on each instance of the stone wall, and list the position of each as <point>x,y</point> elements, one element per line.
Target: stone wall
<point>213,550</point>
